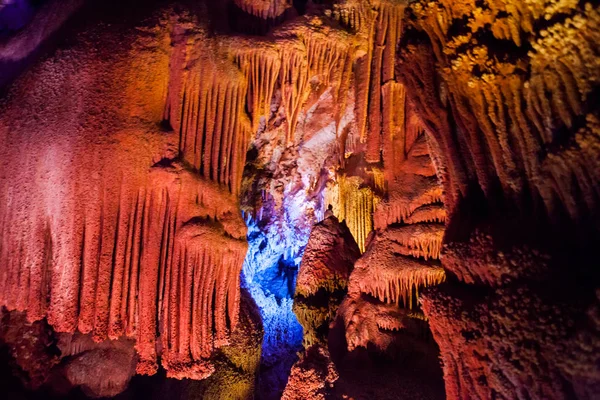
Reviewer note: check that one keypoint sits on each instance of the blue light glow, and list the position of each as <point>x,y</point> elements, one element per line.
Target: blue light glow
<point>15,14</point>
<point>276,242</point>
<point>269,274</point>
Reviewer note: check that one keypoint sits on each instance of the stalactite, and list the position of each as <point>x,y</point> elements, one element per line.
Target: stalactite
<point>342,95</point>
<point>380,25</point>
<point>363,77</point>
<point>294,80</point>
<point>414,129</point>
<point>397,279</point>
<point>513,107</point>
<point>394,131</point>
<point>201,299</point>
<point>403,252</point>
<point>265,9</point>
<point>325,56</point>
<point>206,105</point>
<point>144,260</point>
<point>379,181</point>
<point>393,325</point>
<point>352,14</point>
<point>417,240</point>
<point>388,26</point>
<point>405,199</point>
<point>427,213</point>
<point>312,318</point>
<point>373,151</point>
<point>261,67</point>
<point>413,183</point>
<point>354,204</point>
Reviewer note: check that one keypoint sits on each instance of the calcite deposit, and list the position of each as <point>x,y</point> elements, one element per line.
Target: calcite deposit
<point>323,277</point>
<point>300,199</point>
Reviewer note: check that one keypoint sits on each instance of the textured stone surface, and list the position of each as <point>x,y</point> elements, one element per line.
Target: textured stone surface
<point>503,90</point>
<point>118,235</point>
<point>456,139</point>
<point>323,277</point>
<point>312,377</point>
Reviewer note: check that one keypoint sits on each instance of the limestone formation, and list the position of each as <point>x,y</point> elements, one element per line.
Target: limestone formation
<point>323,278</point>
<point>413,179</point>
<point>119,235</point>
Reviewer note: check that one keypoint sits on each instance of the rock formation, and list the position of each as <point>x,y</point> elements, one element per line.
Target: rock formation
<point>114,228</point>
<point>322,284</point>
<point>411,178</point>
<point>503,89</point>
<point>401,256</point>
<point>312,377</point>
<point>323,278</point>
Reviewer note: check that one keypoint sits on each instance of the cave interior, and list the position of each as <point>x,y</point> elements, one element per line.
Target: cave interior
<point>299,199</point>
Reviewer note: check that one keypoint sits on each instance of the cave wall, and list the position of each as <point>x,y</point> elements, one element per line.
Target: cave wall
<point>109,223</point>
<point>507,92</point>
<point>125,165</point>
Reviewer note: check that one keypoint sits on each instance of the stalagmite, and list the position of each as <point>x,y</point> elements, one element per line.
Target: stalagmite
<point>323,277</point>
<point>328,258</point>
<point>312,376</point>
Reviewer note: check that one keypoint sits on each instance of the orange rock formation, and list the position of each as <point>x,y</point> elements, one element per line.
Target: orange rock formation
<point>465,167</point>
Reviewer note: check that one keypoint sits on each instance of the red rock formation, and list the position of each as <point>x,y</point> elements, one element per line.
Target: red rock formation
<point>100,369</point>
<point>323,277</point>
<point>513,350</point>
<point>264,8</point>
<point>414,190</point>
<point>31,347</point>
<point>124,223</point>
<point>312,377</point>
<point>510,107</point>
<point>328,258</point>
<point>503,90</point>
<point>401,256</point>
<point>122,161</point>
<point>57,362</point>
<point>108,227</point>
<point>380,24</point>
